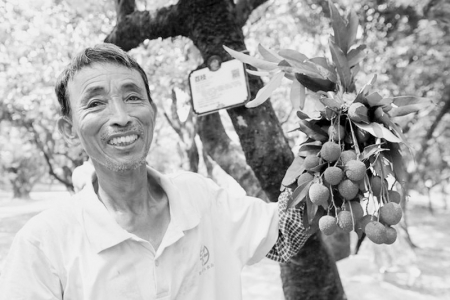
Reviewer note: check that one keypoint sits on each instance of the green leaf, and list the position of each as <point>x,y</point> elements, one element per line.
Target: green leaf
<point>408,104</point>
<point>325,68</point>
<point>311,209</point>
<point>386,121</point>
<point>374,99</point>
<point>257,63</point>
<point>258,73</point>
<point>292,55</point>
<point>295,169</point>
<point>356,55</point>
<point>339,28</point>
<point>319,168</point>
<point>396,159</point>
<point>297,95</point>
<point>302,116</point>
<point>352,28</point>
<point>264,93</point>
<point>371,150</point>
<point>300,193</point>
<point>341,63</point>
<point>310,149</point>
<point>330,102</point>
<point>378,130</point>
<point>268,54</point>
<point>313,131</point>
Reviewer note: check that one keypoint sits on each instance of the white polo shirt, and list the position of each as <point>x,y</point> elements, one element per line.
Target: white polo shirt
<point>77,251</point>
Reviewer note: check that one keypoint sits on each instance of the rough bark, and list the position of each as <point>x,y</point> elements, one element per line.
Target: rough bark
<point>210,24</point>
<point>308,283</point>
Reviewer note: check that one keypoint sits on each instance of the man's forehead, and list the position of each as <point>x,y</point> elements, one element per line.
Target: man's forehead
<point>97,73</point>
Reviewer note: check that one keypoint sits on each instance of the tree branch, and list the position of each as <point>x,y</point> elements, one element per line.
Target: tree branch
<point>244,8</point>
<point>133,27</point>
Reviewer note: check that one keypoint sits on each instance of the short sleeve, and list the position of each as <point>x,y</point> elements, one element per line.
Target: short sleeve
<point>251,224</point>
<point>28,274</point>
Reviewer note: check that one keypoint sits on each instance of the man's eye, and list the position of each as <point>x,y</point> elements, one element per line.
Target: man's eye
<point>134,98</point>
<point>94,104</point>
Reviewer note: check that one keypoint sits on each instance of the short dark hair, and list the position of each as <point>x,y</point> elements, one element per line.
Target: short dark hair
<point>101,53</point>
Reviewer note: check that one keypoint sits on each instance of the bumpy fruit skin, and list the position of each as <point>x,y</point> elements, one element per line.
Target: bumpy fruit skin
<point>394,196</point>
<point>328,225</point>
<point>355,170</point>
<point>391,213</point>
<point>333,175</point>
<point>304,178</point>
<point>358,112</point>
<point>376,232</point>
<point>336,132</point>
<point>330,151</point>
<point>348,189</point>
<point>345,221</point>
<point>391,235</point>
<point>356,209</point>
<point>311,161</point>
<point>319,194</point>
<point>347,155</point>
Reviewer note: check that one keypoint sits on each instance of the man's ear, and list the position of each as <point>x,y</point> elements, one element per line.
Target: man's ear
<point>66,129</point>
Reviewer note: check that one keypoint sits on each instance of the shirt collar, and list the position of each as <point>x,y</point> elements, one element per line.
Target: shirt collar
<point>104,232</point>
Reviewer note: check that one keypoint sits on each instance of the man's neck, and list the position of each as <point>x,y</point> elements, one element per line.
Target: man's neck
<point>136,201</point>
<point>124,191</point>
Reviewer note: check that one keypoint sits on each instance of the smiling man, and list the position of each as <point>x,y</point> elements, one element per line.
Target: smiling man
<point>132,232</point>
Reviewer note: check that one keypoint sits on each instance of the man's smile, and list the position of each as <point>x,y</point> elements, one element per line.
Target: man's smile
<point>124,140</point>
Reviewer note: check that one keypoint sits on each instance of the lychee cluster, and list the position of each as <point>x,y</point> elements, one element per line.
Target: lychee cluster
<point>343,181</point>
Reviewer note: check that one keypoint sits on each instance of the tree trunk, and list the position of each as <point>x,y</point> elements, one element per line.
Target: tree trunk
<point>210,24</point>
<point>308,283</point>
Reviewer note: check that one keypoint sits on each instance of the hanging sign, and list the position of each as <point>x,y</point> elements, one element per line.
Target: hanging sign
<point>223,88</point>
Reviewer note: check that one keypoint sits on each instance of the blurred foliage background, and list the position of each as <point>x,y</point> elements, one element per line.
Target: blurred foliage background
<point>409,49</point>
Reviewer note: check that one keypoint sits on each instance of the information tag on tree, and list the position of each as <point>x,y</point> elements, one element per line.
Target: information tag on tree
<point>223,88</point>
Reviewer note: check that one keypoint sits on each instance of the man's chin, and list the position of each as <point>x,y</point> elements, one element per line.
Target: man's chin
<point>124,166</point>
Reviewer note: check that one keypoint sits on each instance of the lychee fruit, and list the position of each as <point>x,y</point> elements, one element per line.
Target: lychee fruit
<point>375,183</point>
<point>356,209</point>
<point>347,155</point>
<point>311,161</point>
<point>345,220</point>
<point>319,194</point>
<point>336,132</point>
<point>391,235</point>
<point>358,112</point>
<point>330,151</point>
<point>394,196</point>
<point>348,189</point>
<point>355,170</point>
<point>376,232</point>
<point>333,175</point>
<point>328,225</point>
<point>305,177</point>
<point>391,213</point>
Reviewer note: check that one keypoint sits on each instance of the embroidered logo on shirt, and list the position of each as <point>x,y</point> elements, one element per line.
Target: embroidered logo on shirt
<point>204,258</point>
<point>204,255</point>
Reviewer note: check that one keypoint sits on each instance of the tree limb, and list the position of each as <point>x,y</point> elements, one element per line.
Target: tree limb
<point>244,8</point>
<point>133,27</point>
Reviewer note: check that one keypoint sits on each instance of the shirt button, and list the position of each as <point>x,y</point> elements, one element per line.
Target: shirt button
<point>156,263</point>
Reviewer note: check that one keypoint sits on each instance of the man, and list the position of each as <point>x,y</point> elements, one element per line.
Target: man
<point>133,233</point>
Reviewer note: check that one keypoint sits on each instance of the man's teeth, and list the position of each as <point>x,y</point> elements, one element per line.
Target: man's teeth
<point>123,140</point>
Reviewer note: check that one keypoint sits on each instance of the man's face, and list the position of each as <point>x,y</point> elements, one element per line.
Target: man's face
<point>112,116</point>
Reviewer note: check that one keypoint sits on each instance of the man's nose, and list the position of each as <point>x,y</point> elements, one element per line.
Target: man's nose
<point>119,113</point>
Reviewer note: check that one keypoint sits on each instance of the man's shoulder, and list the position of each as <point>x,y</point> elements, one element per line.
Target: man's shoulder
<point>52,221</point>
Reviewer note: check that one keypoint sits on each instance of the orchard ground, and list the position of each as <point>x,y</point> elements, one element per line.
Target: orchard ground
<point>394,272</point>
